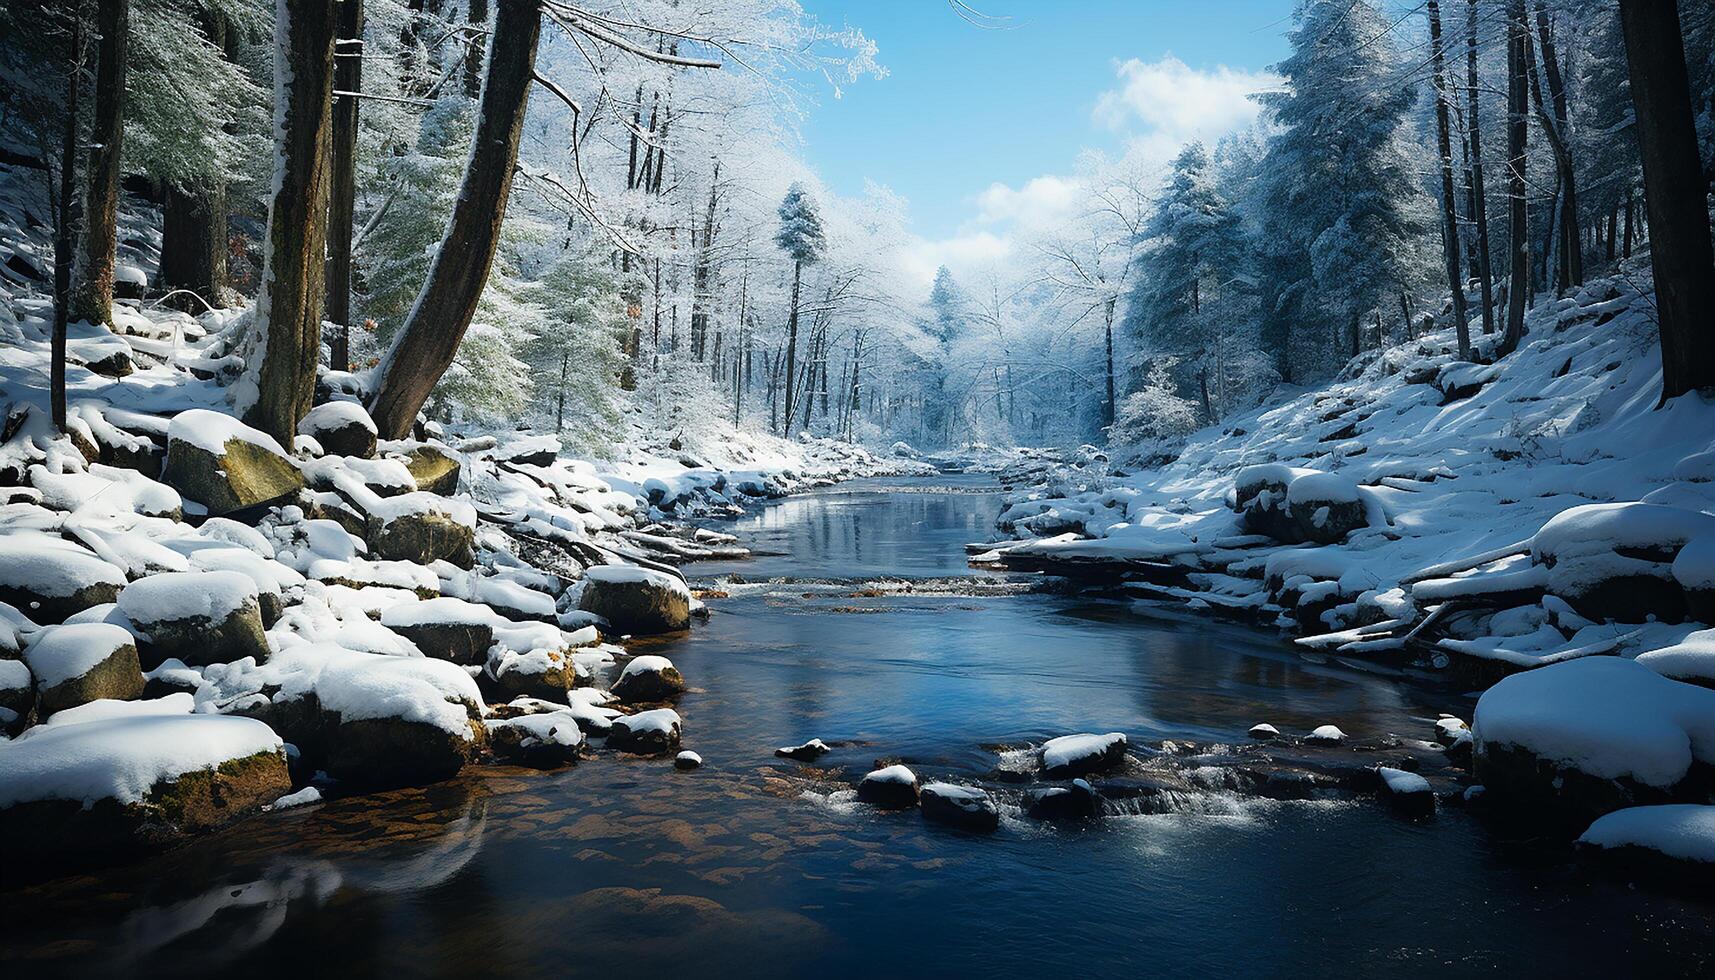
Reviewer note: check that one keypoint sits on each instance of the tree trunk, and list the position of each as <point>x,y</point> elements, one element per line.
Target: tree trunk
<point>1480,209</point>
<point>1455,281</point>
<point>92,298</point>
<point>193,242</point>
<point>476,16</point>
<point>444,307</point>
<point>285,339</point>
<point>69,215</point>
<point>1572,255</point>
<point>1674,194</point>
<point>1626,243</point>
<point>792,345</point>
<point>342,179</point>
<point>1109,407</point>
<point>1518,219</point>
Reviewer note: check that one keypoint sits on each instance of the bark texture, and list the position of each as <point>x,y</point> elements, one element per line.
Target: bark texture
<point>342,179</point>
<point>92,296</point>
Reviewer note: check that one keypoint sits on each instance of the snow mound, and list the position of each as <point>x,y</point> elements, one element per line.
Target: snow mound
<point>1691,659</point>
<point>1679,830</point>
<point>61,653</point>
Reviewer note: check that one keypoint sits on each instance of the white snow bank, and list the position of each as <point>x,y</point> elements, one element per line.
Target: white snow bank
<point>1691,659</point>
<point>1679,830</point>
<point>211,596</point>
<point>49,565</point>
<point>1604,716</point>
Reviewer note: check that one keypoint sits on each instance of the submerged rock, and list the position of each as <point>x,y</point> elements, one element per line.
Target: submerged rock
<point>889,788</point>
<point>636,601</point>
<point>808,752</point>
<point>965,807</point>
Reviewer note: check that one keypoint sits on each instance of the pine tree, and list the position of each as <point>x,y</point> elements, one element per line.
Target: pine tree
<point>803,239</point>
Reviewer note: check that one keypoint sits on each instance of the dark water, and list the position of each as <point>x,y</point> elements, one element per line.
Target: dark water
<point>754,866</point>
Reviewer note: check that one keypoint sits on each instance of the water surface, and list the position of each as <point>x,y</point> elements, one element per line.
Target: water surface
<point>757,866</point>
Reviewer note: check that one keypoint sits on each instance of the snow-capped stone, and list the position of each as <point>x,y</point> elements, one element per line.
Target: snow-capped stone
<point>197,617</point>
<point>1407,792</point>
<point>648,678</point>
<point>1264,731</point>
<point>114,773</point>
<point>687,760</point>
<point>1080,755</point>
<point>83,662</point>
<point>421,527</point>
<point>537,671</point>
<point>645,733</point>
<point>1079,801</point>
<point>1449,729</point>
<point>1574,740</point>
<point>17,696</point>
<point>225,465</point>
<point>636,601</point>
<point>342,428</point>
<point>49,578</point>
<point>1616,561</point>
<point>1694,570</point>
<point>1293,504</point>
<point>1683,833</point>
<point>434,470</point>
<point>1691,660</point>
<point>392,720</point>
<point>446,628</point>
<point>807,752</point>
<point>1326,735</point>
<point>965,807</point>
<point>890,788</point>
<point>542,740</point>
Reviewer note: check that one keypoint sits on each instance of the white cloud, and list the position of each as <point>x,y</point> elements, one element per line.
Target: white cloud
<point>1041,202</point>
<point>964,254</point>
<point>1170,98</point>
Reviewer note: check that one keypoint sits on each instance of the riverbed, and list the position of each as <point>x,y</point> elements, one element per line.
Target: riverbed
<point>858,622</point>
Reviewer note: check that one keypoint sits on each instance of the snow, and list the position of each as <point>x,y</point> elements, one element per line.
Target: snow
<point>663,720</point>
<point>1401,783</point>
<point>1679,830</point>
<point>121,755</point>
<point>1604,716</point>
<point>894,774</point>
<point>1694,566</point>
<point>955,792</point>
<point>631,574</point>
<point>547,728</point>
<point>171,596</point>
<point>442,610</point>
<point>1581,543</point>
<point>1322,488</point>
<point>1691,659</point>
<point>649,664</point>
<point>211,431</point>
<point>360,686</point>
<point>1328,733</point>
<point>335,415</point>
<point>303,797</point>
<point>1068,749</point>
<point>60,653</point>
<point>101,709</point>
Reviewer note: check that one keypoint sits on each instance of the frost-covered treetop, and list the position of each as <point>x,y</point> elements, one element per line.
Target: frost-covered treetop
<point>801,235</point>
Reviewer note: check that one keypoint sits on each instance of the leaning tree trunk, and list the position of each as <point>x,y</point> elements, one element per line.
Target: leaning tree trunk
<point>92,297</point>
<point>476,17</point>
<point>70,216</point>
<point>342,179</point>
<point>1480,207</point>
<point>285,340</point>
<point>1674,195</point>
<point>447,302</point>
<point>792,345</point>
<point>1518,230</point>
<point>1571,250</point>
<point>1455,281</point>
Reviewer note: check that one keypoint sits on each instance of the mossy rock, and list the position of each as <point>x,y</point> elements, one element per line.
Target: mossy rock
<point>465,644</point>
<point>423,538</point>
<point>434,470</point>
<point>118,676</point>
<point>245,475</point>
<point>396,752</point>
<point>199,642</point>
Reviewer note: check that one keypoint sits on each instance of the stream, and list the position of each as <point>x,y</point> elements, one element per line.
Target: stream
<point>859,622</point>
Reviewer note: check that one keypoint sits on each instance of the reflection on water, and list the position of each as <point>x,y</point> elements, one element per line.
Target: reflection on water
<point>756,866</point>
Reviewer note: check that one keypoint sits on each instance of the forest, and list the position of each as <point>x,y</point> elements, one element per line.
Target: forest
<point>431,427</point>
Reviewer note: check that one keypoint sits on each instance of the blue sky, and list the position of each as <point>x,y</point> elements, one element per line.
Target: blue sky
<point>965,109</point>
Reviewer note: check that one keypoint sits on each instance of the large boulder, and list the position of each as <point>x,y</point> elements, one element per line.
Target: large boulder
<point>645,733</point>
<point>341,428</point>
<point>1079,801</point>
<point>1694,570</point>
<point>115,775</point>
<point>649,678</point>
<point>545,672</point>
<point>544,740</point>
<point>1081,755</point>
<point>964,807</point>
<point>1564,744</point>
<point>445,628</point>
<point>1619,561</point>
<point>397,720</point>
<point>421,527</point>
<point>636,601</point>
<point>225,465</point>
<point>199,618</point>
<point>17,697</point>
<point>49,578</point>
<point>1672,844</point>
<point>83,662</point>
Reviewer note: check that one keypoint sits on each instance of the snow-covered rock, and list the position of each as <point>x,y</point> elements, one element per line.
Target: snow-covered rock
<point>197,617</point>
<point>544,740</point>
<point>342,428</point>
<point>1407,792</point>
<point>807,752</point>
<point>1263,731</point>
<point>1294,504</point>
<point>648,678</point>
<point>1578,739</point>
<point>83,662</point>
<point>397,719</point>
<point>127,773</point>
<point>890,788</point>
<point>17,696</point>
<point>1081,755</point>
<point>50,578</point>
<point>1691,660</point>
<point>1617,561</point>
<point>645,733</point>
<point>965,807</point>
<point>687,760</point>
<point>224,465</point>
<point>538,671</point>
<point>1326,735</point>
<point>1677,839</point>
<point>636,601</point>
<point>1078,801</point>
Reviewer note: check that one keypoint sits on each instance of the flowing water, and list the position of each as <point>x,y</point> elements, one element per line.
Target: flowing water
<point>859,623</point>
